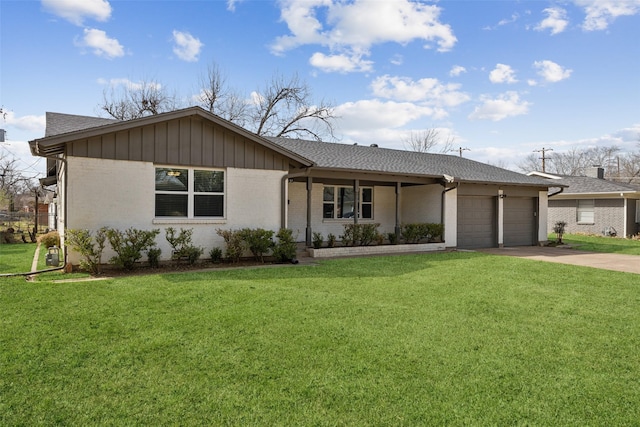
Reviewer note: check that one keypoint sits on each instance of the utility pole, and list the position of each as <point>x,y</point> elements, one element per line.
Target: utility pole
<point>544,158</point>
<point>460,150</point>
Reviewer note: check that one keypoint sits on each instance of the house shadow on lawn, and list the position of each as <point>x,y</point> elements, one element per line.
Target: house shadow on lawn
<point>353,267</point>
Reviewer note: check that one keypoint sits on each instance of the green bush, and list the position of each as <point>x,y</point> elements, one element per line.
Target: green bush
<point>317,240</point>
<point>153,255</point>
<point>52,238</point>
<point>233,242</point>
<point>285,248</point>
<point>215,254</point>
<point>130,244</point>
<point>359,234</point>
<point>89,248</point>
<point>181,244</point>
<point>331,240</point>
<point>417,232</point>
<point>258,240</point>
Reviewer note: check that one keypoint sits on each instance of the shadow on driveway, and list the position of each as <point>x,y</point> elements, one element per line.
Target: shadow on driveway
<point>615,262</point>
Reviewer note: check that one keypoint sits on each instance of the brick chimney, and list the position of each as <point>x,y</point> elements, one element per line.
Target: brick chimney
<point>595,172</point>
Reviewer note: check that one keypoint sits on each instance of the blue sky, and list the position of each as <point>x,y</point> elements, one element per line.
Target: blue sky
<point>503,78</point>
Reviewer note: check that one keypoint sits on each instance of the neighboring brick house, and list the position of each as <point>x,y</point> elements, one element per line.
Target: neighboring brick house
<point>590,204</point>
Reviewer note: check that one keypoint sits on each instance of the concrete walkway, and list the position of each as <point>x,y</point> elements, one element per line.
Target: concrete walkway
<point>615,262</point>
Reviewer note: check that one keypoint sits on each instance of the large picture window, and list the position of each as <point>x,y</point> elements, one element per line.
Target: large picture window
<point>586,211</point>
<point>189,193</point>
<point>339,202</point>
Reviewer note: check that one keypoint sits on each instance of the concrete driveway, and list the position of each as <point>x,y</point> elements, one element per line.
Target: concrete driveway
<point>615,262</point>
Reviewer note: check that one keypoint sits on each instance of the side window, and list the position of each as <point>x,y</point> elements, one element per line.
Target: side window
<point>586,211</point>
<point>189,193</point>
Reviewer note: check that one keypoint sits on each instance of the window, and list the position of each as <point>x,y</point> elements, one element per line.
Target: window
<point>339,202</point>
<point>586,211</point>
<point>189,193</point>
<point>637,211</point>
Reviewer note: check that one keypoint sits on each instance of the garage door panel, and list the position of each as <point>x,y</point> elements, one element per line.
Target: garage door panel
<point>519,221</point>
<point>476,222</point>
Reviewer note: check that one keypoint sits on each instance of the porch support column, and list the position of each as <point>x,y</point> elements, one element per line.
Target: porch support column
<point>308,230</point>
<point>398,218</point>
<point>501,197</point>
<point>356,200</point>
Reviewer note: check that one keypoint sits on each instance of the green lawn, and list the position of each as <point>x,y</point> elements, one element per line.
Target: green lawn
<point>16,258</point>
<point>601,244</point>
<point>438,339</point>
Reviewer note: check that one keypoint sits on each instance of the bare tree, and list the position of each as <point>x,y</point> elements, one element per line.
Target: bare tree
<point>12,182</point>
<point>218,98</point>
<point>285,109</point>
<point>132,101</point>
<point>429,140</point>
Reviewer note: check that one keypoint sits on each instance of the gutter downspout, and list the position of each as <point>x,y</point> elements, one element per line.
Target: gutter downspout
<point>446,190</point>
<point>63,159</point>
<point>557,192</point>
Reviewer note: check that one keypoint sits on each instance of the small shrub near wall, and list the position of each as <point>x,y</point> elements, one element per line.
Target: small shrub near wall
<point>360,234</point>
<point>233,244</point>
<point>50,239</point>
<point>424,231</point>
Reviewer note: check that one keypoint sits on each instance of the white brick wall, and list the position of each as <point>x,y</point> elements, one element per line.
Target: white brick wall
<point>121,194</point>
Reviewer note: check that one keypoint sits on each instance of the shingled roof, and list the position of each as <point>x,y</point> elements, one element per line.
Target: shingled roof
<point>374,159</point>
<point>58,123</point>
<point>588,185</point>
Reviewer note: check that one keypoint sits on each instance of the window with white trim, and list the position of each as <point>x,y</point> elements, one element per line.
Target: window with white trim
<point>586,211</point>
<point>339,202</point>
<point>189,193</point>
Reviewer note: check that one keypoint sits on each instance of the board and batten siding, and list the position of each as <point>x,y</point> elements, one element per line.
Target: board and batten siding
<point>187,141</point>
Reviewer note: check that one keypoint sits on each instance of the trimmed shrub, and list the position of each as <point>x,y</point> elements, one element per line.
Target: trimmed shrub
<point>359,234</point>
<point>88,247</point>
<point>317,240</point>
<point>417,232</point>
<point>285,248</point>
<point>52,238</point>
<point>153,256</point>
<point>233,243</point>
<point>130,244</point>
<point>258,240</point>
<point>215,254</point>
<point>182,247</point>
<point>331,240</point>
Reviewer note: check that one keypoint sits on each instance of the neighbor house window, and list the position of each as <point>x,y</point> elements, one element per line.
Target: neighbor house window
<point>339,202</point>
<point>586,211</point>
<point>189,193</point>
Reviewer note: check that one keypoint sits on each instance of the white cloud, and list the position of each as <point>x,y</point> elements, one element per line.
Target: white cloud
<point>186,46</point>
<point>129,85</point>
<point>601,13</point>
<point>556,20</point>
<point>456,70</point>
<point>428,91</point>
<point>506,105</point>
<point>502,74</point>
<point>28,123</point>
<point>231,5</point>
<point>551,72</point>
<point>340,63</point>
<point>101,44</point>
<point>351,29</point>
<point>376,114</point>
<point>76,11</point>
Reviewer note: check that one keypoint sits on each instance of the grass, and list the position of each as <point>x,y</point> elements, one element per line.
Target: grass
<point>446,338</point>
<point>16,258</point>
<point>601,244</point>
